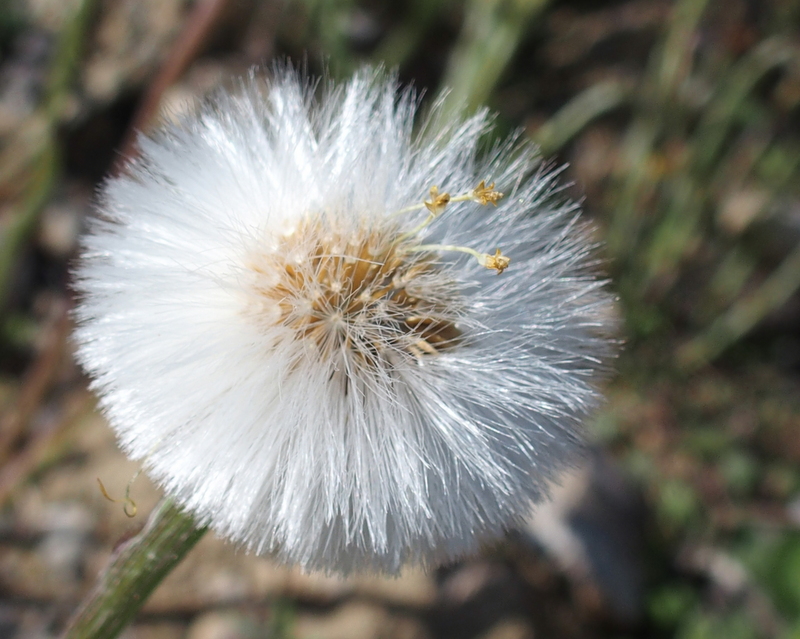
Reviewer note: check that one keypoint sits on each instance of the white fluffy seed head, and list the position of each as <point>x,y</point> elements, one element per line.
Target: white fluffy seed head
<point>299,345</point>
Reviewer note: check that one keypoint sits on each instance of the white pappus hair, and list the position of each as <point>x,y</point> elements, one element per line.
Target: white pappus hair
<point>288,314</point>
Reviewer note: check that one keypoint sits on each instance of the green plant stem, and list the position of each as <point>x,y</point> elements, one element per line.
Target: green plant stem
<point>135,570</point>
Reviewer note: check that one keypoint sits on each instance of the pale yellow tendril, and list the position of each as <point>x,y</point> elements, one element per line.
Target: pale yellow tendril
<point>130,507</point>
<point>497,262</point>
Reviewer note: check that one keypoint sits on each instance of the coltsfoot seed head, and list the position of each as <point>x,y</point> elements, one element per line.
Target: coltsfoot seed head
<point>290,318</point>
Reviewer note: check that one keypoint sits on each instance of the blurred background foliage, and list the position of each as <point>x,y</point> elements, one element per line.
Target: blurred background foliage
<point>678,124</point>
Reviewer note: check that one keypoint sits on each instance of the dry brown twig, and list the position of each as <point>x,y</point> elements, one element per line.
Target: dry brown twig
<point>43,447</point>
<point>37,381</point>
<point>185,49</point>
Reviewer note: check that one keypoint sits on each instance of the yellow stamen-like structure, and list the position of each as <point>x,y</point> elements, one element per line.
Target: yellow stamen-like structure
<point>436,205</point>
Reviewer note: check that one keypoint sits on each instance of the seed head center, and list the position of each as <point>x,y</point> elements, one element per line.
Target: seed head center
<point>362,291</point>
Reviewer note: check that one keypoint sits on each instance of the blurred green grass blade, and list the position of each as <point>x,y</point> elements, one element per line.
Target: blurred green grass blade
<point>490,35</point>
<point>674,236</point>
<point>574,116</point>
<point>68,52</point>
<point>329,20</point>
<point>21,217</point>
<point>687,192</point>
<point>730,277</point>
<point>739,263</point>
<point>673,59</point>
<point>624,229</point>
<point>688,199</point>
<point>20,221</point>
<point>738,165</point>
<point>718,119</point>
<point>784,18</point>
<point>744,314</point>
<point>401,43</point>
<point>777,168</point>
<point>668,68</point>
